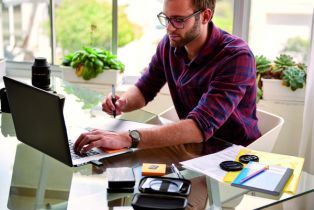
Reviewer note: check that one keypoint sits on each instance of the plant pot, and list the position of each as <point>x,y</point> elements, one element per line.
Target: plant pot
<point>2,67</point>
<point>108,77</point>
<point>274,90</point>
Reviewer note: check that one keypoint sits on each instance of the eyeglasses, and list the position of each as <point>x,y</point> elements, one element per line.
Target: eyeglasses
<point>176,22</point>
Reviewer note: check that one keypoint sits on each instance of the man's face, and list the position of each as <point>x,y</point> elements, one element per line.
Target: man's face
<point>192,26</point>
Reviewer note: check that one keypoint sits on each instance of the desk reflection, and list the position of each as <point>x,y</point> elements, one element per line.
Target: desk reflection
<point>41,182</point>
<point>7,126</point>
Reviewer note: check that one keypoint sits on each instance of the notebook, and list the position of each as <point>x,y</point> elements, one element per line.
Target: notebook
<point>271,180</point>
<point>39,122</point>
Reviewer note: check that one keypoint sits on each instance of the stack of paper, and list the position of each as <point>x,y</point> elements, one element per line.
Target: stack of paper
<point>209,164</point>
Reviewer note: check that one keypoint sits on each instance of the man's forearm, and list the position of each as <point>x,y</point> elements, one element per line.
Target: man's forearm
<point>135,99</point>
<point>182,132</point>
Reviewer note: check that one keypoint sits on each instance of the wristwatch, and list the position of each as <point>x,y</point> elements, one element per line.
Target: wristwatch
<point>136,138</point>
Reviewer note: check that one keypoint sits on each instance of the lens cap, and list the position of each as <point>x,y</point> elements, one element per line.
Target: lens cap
<point>248,158</point>
<point>231,166</point>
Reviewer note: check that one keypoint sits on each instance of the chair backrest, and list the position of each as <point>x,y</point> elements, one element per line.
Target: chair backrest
<point>270,126</point>
<point>170,114</point>
<point>165,117</point>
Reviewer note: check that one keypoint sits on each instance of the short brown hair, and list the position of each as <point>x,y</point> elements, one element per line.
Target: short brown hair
<point>203,4</point>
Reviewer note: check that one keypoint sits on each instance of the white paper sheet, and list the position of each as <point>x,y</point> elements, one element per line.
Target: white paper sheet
<point>209,164</point>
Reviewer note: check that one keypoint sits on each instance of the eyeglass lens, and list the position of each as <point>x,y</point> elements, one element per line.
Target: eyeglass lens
<point>175,22</point>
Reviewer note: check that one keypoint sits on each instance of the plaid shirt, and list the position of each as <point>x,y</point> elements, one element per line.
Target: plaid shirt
<point>216,89</point>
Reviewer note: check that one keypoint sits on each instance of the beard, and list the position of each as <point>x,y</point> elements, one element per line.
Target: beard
<point>188,36</point>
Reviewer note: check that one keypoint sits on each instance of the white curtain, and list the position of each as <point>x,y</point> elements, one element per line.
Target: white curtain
<point>307,138</point>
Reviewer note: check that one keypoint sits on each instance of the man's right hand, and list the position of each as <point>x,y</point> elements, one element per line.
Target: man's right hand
<point>108,106</point>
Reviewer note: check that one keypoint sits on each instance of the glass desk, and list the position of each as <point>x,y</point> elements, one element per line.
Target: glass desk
<point>30,179</point>
<point>301,201</point>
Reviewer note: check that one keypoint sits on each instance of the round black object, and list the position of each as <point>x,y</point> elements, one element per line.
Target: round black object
<point>41,74</point>
<point>248,158</point>
<point>231,166</point>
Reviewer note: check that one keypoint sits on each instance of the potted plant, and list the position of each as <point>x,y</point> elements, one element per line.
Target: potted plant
<point>283,79</point>
<point>92,65</point>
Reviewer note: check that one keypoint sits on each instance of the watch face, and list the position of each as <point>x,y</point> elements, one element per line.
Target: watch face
<point>136,137</point>
<point>135,134</point>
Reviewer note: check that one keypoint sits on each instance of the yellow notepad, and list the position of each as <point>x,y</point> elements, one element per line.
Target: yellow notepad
<point>295,163</point>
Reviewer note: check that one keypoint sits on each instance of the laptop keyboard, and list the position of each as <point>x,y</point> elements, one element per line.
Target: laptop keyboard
<point>76,156</point>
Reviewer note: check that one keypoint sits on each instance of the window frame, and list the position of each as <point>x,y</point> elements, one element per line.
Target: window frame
<point>1,35</point>
<point>241,19</point>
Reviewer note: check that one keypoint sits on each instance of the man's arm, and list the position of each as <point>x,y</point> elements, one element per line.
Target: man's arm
<point>181,132</point>
<point>134,99</point>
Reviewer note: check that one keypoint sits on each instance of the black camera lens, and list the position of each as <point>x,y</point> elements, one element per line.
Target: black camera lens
<point>231,165</point>
<point>41,74</point>
<point>248,158</point>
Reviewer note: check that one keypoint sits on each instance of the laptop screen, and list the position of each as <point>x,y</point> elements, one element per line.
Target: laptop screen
<point>38,119</point>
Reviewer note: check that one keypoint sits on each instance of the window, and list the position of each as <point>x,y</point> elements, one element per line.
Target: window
<point>223,16</point>
<point>25,30</point>
<point>137,54</point>
<point>281,26</point>
<point>82,23</point>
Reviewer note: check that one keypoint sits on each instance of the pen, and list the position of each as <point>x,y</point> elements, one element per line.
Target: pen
<point>176,171</point>
<point>113,98</point>
<point>254,174</point>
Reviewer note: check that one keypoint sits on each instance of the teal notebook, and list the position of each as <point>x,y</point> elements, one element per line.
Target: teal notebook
<point>270,181</point>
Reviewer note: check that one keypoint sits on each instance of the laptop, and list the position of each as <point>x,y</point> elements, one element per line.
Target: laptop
<point>39,122</point>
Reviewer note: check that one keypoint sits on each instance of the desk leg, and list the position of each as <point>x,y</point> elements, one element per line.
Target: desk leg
<point>214,201</point>
<point>40,193</point>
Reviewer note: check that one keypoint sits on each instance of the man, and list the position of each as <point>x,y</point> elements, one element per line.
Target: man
<point>211,77</point>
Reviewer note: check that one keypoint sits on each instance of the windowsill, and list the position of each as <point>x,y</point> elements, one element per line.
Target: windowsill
<point>23,69</point>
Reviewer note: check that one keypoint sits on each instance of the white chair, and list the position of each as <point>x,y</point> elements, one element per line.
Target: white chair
<point>170,114</point>
<point>269,124</point>
<point>165,117</point>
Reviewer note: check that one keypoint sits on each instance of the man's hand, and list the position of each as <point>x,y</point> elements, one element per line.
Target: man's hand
<point>109,107</point>
<point>102,139</point>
